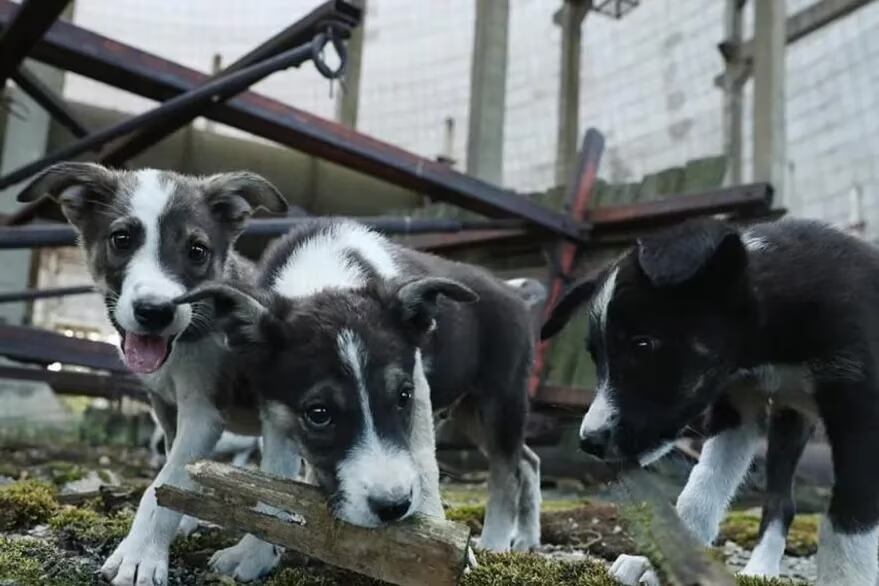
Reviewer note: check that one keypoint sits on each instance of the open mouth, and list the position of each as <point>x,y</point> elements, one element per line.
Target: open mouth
<point>145,353</point>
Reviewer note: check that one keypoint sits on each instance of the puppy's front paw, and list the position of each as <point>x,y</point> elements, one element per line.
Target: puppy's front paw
<point>136,563</point>
<point>634,570</point>
<point>247,560</point>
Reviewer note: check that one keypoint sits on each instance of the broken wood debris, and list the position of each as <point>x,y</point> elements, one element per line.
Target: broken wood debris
<point>417,551</point>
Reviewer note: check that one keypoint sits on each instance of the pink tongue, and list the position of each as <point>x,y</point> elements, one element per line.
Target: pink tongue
<point>144,354</point>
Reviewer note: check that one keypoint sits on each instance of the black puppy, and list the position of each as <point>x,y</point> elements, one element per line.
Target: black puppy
<point>775,325</point>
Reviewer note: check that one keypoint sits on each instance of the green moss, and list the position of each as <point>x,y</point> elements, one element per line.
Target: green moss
<point>60,473</point>
<point>203,540</point>
<point>319,575</point>
<point>743,528</point>
<point>520,569</point>
<point>17,564</point>
<point>472,515</point>
<point>84,528</point>
<point>25,504</point>
<point>28,562</point>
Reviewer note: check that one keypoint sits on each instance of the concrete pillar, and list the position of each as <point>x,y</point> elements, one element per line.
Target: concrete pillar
<point>769,97</point>
<point>24,140</point>
<point>570,18</point>
<point>488,81</point>
<point>733,80</point>
<point>349,97</point>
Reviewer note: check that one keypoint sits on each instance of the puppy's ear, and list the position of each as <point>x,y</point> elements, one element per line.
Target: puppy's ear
<point>78,187</point>
<point>579,293</point>
<point>690,250</point>
<point>418,300</point>
<point>233,197</point>
<point>245,318</point>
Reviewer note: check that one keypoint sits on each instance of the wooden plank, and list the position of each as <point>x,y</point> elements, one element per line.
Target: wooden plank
<point>419,550</point>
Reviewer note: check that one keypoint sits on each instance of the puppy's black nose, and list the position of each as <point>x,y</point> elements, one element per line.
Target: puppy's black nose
<point>389,510</point>
<point>154,315</point>
<point>595,443</point>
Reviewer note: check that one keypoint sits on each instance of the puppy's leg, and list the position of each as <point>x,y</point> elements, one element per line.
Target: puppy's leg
<point>713,482</point>
<point>252,557</point>
<point>528,517</point>
<point>498,429</point>
<point>789,431</point>
<point>848,540</point>
<point>142,557</point>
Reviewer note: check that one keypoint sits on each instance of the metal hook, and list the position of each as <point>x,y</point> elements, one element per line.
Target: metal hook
<point>332,35</point>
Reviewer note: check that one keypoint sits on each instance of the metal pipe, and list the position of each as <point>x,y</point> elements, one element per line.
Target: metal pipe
<point>32,294</point>
<point>49,101</point>
<point>111,62</point>
<point>332,12</point>
<point>31,20</point>
<point>58,235</point>
<point>214,91</point>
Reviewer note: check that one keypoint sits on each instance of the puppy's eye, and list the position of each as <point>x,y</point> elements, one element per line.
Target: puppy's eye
<point>120,240</point>
<point>644,344</point>
<point>404,396</point>
<point>318,416</point>
<point>198,253</point>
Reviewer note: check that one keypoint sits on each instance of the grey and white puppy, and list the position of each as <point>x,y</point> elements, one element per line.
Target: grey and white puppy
<point>350,340</point>
<point>149,236</point>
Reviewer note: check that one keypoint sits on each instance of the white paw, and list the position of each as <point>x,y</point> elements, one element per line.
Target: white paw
<point>526,540</point>
<point>187,526</point>
<point>247,560</point>
<point>634,570</point>
<point>494,543</point>
<point>136,563</point>
<point>702,522</point>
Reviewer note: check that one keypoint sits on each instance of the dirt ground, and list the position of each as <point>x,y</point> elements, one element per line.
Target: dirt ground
<point>65,505</point>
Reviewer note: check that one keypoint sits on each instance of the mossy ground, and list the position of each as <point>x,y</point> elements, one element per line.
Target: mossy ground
<point>26,503</point>
<point>45,542</point>
<point>743,527</point>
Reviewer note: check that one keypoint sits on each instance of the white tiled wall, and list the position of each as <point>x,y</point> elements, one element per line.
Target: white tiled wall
<point>646,81</point>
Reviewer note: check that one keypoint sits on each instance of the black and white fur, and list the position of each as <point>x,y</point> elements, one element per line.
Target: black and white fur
<point>775,326</point>
<point>350,340</point>
<point>148,236</point>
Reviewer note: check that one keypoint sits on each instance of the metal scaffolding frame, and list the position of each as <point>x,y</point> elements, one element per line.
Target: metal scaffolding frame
<point>223,97</point>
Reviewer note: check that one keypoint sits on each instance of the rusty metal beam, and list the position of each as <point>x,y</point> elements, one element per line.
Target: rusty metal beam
<point>49,101</point>
<point>26,24</point>
<point>44,347</point>
<point>102,59</point>
<point>184,104</point>
<point>581,186</point>
<point>83,384</point>
<point>33,294</point>
<point>743,200</point>
<point>331,12</point>
<point>50,235</point>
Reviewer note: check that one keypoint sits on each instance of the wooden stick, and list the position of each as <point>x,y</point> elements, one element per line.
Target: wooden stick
<point>419,550</point>
<point>669,544</point>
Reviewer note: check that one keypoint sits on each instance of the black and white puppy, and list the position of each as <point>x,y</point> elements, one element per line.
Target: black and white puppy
<point>149,236</point>
<point>774,325</point>
<point>351,340</point>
